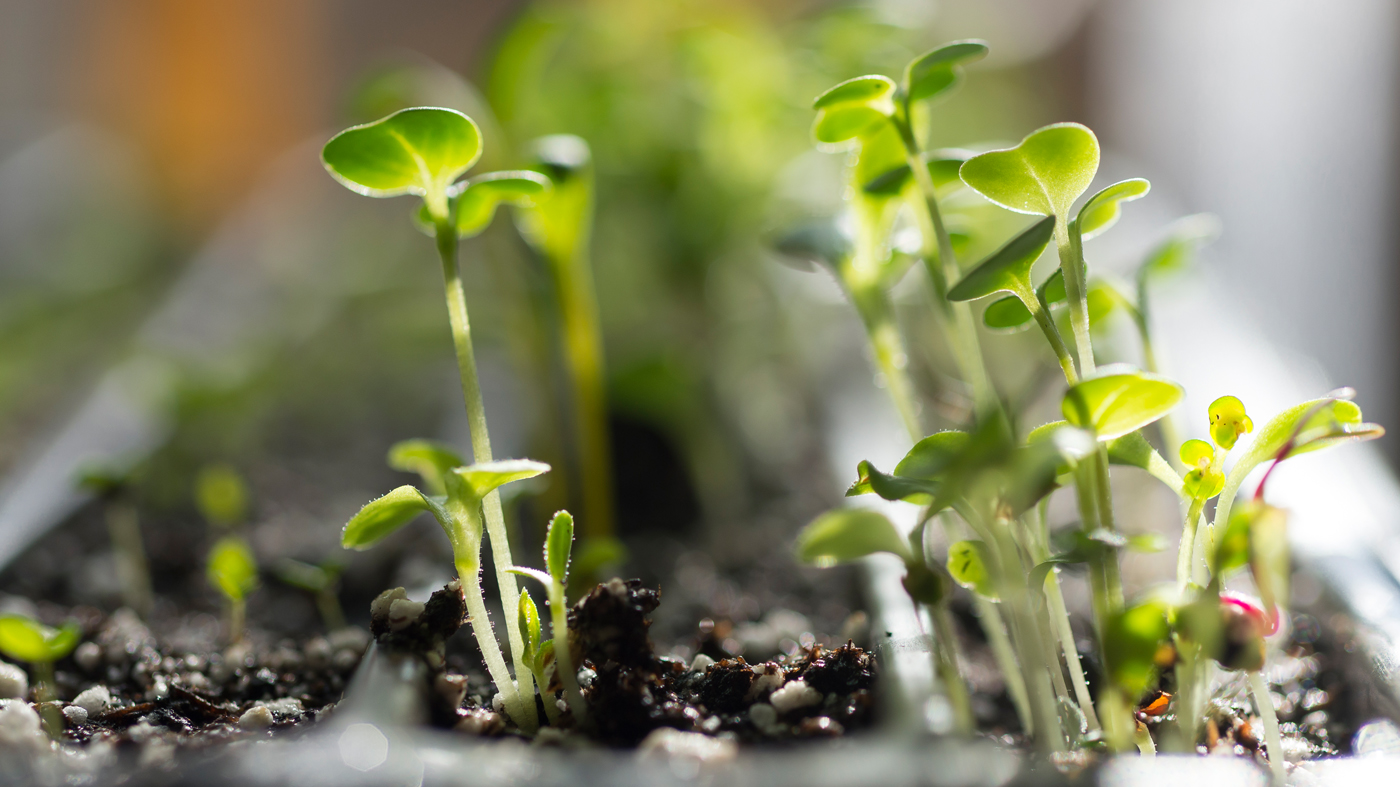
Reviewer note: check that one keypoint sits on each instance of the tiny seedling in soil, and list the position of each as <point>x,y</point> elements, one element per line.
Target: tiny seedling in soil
<point>112,488</point>
<point>558,545</point>
<point>233,572</point>
<point>322,582</point>
<point>988,482</point>
<point>28,640</point>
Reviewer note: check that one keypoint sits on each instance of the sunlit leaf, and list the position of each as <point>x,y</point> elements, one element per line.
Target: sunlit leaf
<point>384,515</point>
<point>866,90</point>
<point>232,569</point>
<point>1104,208</point>
<point>1043,175</point>
<point>1114,404</point>
<point>431,460</point>
<point>24,639</point>
<point>846,534</point>
<point>1052,290</point>
<point>932,455</point>
<point>528,619</point>
<point>967,563</point>
<point>1009,268</point>
<point>558,544</point>
<point>1228,421</point>
<point>477,203</point>
<point>413,151</point>
<point>936,71</point>
<point>485,477</point>
<point>892,487</point>
<point>1132,449</point>
<point>1185,236</point>
<point>846,122</point>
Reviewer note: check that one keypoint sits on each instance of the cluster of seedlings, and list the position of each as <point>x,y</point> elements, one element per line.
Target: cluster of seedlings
<point>986,485</point>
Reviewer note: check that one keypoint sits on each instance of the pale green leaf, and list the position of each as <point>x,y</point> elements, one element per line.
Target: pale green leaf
<point>413,151</point>
<point>1042,175</point>
<point>431,460</point>
<point>24,639</point>
<point>1104,208</point>
<point>232,569</point>
<point>967,563</point>
<point>485,477</point>
<point>846,534</point>
<point>558,544</point>
<point>936,71</point>
<point>383,515</point>
<point>1009,268</point>
<point>866,91</point>
<point>1116,403</point>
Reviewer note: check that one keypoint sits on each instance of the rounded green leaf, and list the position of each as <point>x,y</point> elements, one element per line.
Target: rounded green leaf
<point>1044,174</point>
<point>384,515</point>
<point>25,639</point>
<point>936,71</point>
<point>298,574</point>
<point>1228,421</point>
<point>232,570</point>
<point>1132,641</point>
<point>558,544</point>
<point>967,563</point>
<point>846,122</point>
<point>221,495</point>
<point>431,460</point>
<point>846,534</point>
<point>477,203</point>
<point>1186,235</point>
<point>1052,290</point>
<point>866,90</point>
<point>892,487</point>
<point>1009,268</point>
<point>528,618</point>
<point>1007,314</point>
<point>1132,449</point>
<point>1114,404</point>
<point>931,456</point>
<point>485,477</point>
<point>1103,209</point>
<point>413,151</point>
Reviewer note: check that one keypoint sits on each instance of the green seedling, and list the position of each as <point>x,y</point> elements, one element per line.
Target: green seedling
<point>221,496</point>
<point>28,640</point>
<point>558,544</point>
<point>558,226</point>
<point>233,571</point>
<point>322,582</point>
<point>423,152</point>
<point>112,487</point>
<point>456,495</point>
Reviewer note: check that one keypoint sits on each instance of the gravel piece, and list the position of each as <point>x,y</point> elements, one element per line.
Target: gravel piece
<point>796,694</point>
<point>257,717</point>
<point>670,743</point>
<point>14,684</point>
<point>75,714</point>
<point>94,699</point>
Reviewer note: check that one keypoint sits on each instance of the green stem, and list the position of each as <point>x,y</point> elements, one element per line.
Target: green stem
<point>124,528</point>
<point>949,669</point>
<point>563,659</point>
<point>1089,522</point>
<point>583,354</point>
<point>1071,252</point>
<point>1190,684</point>
<point>1052,334</point>
<point>1049,735</point>
<point>1005,656</point>
<point>1265,702</point>
<point>1060,614</point>
<point>481,452</point>
<point>890,357</point>
<point>47,697</point>
<point>329,606</point>
<point>470,575</point>
<point>237,612</point>
<point>1143,738</point>
<point>1112,572</point>
<point>1188,543</point>
<point>966,346</point>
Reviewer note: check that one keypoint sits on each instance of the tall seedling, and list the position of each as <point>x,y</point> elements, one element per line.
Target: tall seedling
<point>423,152</point>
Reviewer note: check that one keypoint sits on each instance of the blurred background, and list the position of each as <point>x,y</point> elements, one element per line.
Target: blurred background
<point>182,285</point>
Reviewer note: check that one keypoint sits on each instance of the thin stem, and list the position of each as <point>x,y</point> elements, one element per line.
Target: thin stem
<point>583,355</point>
<point>1005,657</point>
<point>967,349</point>
<point>1049,735</point>
<point>563,660</point>
<point>1089,522</point>
<point>481,452</point>
<point>1052,334</point>
<point>1065,633</point>
<point>1188,543</point>
<point>1112,572</point>
<point>949,669</point>
<point>1076,289</point>
<point>124,528</point>
<point>1265,702</point>
<point>480,619</point>
<point>237,612</point>
<point>1143,738</point>
<point>890,356</point>
<point>551,707</point>
<point>47,698</point>
<point>329,606</point>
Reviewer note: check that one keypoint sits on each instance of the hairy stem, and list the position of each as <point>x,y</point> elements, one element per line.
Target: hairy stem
<point>1052,335</point>
<point>563,659</point>
<point>1065,634</point>
<point>481,452</point>
<point>470,575</point>
<point>1265,702</point>
<point>1005,656</point>
<point>1071,252</point>
<point>1188,543</point>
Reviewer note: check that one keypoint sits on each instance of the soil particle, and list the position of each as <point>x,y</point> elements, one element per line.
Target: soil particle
<point>725,686</point>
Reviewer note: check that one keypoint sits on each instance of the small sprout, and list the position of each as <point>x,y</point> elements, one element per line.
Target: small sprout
<point>967,564</point>
<point>1257,537</point>
<point>853,109</point>
<point>1228,422</point>
<point>1118,402</point>
<point>558,543</point>
<point>113,487</point>
<point>1042,175</point>
<point>1009,268</point>
<point>221,496</point>
<point>1203,480</point>
<point>322,581</point>
<point>28,640</point>
<point>1137,645</point>
<point>233,571</point>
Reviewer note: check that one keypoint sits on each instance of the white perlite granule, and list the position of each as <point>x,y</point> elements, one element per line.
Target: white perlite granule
<point>796,694</point>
